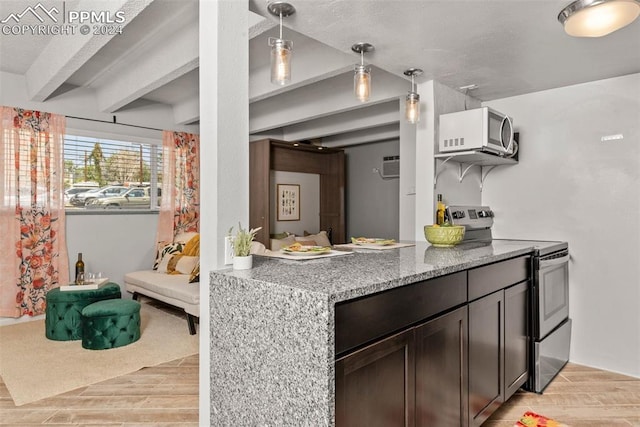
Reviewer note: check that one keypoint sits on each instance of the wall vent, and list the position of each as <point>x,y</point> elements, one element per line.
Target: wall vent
<point>391,167</point>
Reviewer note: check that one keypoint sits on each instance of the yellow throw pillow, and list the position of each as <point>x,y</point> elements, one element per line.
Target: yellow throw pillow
<point>181,264</point>
<point>192,247</point>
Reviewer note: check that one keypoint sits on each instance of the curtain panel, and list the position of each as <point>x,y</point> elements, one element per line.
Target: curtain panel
<point>32,218</point>
<point>180,204</point>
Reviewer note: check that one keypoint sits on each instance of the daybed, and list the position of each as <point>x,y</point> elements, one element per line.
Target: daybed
<point>171,289</point>
<point>174,278</point>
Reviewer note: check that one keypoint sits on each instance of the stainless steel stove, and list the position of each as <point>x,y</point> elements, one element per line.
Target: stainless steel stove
<point>550,323</point>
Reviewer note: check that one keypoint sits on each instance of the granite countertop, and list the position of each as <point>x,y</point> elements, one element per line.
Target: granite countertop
<point>364,272</point>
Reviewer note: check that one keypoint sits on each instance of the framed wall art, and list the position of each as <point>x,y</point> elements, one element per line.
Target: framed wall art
<point>288,202</point>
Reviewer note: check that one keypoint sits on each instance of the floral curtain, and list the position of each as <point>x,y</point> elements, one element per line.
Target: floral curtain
<point>180,205</point>
<point>32,221</point>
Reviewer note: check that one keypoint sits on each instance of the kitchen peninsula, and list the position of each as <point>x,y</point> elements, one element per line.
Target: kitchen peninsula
<point>286,336</point>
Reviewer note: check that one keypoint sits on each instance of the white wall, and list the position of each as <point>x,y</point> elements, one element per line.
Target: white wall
<point>309,202</point>
<point>114,244</point>
<point>571,186</point>
<point>371,201</point>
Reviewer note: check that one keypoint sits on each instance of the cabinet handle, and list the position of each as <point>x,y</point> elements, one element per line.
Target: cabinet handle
<point>460,346</point>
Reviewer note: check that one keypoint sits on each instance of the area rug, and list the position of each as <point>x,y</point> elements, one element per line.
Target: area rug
<point>531,419</point>
<point>34,367</point>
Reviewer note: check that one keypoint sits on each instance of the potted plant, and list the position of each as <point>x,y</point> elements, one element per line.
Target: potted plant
<point>241,242</point>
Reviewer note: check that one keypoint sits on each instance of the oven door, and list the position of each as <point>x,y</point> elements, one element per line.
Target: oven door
<point>552,292</point>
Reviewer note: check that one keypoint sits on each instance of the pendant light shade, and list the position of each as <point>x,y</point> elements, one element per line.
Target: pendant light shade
<point>597,18</point>
<point>362,73</point>
<point>412,103</point>
<point>281,49</point>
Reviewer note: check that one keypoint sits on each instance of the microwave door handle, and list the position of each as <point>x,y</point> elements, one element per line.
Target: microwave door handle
<point>508,147</point>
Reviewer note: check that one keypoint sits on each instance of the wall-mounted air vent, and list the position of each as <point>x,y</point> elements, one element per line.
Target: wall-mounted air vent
<point>390,167</point>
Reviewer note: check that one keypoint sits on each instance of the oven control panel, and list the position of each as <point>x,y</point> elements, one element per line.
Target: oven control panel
<point>472,217</point>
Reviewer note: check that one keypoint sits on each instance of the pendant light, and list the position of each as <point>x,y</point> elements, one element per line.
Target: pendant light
<point>412,104</point>
<point>362,75</point>
<point>280,48</point>
<point>597,18</point>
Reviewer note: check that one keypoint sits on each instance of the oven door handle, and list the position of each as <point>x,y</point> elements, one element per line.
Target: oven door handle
<point>544,263</point>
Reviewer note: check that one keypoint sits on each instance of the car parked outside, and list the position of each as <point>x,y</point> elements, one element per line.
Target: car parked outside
<point>70,192</point>
<point>82,199</point>
<point>134,198</point>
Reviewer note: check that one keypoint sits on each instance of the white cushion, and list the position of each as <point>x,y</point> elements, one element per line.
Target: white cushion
<point>170,285</point>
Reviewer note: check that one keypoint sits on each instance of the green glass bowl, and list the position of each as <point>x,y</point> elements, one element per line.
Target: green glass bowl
<point>444,237</point>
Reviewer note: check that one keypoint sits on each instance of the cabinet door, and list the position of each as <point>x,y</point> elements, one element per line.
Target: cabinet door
<point>486,357</point>
<point>375,386</point>
<point>441,371</point>
<point>516,337</point>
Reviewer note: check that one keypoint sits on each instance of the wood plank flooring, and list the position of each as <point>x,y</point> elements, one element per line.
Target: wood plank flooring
<point>167,395</point>
<point>579,396</point>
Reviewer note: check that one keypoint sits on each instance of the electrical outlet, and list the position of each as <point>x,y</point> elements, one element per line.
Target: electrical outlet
<point>228,250</point>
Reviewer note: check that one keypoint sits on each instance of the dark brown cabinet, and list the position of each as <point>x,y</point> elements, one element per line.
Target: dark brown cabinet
<point>375,386</point>
<point>415,378</point>
<point>441,371</point>
<point>443,352</point>
<point>498,335</point>
<point>486,358</point>
<point>516,337</point>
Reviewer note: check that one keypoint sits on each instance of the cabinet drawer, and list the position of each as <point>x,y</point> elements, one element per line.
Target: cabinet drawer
<point>490,278</point>
<point>363,320</point>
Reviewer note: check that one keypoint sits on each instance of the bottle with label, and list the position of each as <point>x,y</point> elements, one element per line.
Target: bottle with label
<point>440,211</point>
<point>79,270</point>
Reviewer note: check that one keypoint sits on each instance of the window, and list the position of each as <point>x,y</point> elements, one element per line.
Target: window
<point>103,174</point>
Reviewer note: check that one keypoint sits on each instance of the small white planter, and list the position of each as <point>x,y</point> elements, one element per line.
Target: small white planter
<point>242,262</point>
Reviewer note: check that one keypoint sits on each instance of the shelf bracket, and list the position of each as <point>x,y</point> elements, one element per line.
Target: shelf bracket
<point>462,174</point>
<point>439,171</point>
<point>484,175</point>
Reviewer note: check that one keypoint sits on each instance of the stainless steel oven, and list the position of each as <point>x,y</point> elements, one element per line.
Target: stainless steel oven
<point>551,325</point>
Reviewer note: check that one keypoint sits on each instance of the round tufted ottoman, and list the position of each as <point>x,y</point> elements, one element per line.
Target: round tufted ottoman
<point>110,323</point>
<point>63,315</point>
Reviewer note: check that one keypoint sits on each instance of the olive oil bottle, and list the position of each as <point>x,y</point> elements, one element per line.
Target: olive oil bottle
<point>440,211</point>
<point>79,270</point>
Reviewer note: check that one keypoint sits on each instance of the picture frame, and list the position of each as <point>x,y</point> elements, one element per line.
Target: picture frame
<point>288,202</point>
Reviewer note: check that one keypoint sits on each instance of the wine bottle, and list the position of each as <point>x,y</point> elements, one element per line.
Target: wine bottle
<point>440,211</point>
<point>79,270</point>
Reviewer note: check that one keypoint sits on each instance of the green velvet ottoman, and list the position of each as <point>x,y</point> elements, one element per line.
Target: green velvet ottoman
<point>110,323</point>
<point>63,315</point>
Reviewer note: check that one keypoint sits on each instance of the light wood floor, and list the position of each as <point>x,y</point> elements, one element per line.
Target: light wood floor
<point>167,395</point>
<point>578,397</point>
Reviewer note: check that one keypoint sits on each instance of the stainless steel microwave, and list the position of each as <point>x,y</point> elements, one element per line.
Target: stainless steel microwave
<point>481,129</point>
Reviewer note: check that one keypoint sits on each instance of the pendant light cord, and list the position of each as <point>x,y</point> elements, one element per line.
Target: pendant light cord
<point>280,25</point>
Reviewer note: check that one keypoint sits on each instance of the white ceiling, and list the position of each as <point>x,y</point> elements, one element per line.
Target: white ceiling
<point>505,47</point>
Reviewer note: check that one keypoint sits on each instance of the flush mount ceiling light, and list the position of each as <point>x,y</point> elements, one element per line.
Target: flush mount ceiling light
<point>362,76</point>
<point>412,104</point>
<point>597,18</point>
<point>280,49</point>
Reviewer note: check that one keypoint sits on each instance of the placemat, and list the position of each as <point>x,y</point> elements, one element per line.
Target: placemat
<point>332,253</point>
<point>375,247</point>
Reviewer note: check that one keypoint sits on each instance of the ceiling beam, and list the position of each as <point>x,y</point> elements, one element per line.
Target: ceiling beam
<point>365,136</point>
<point>330,96</point>
<point>187,112</point>
<point>172,57</point>
<point>354,120</point>
<point>64,55</point>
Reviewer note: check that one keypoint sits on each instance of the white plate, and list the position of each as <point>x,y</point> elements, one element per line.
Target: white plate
<point>305,253</point>
<point>377,242</point>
